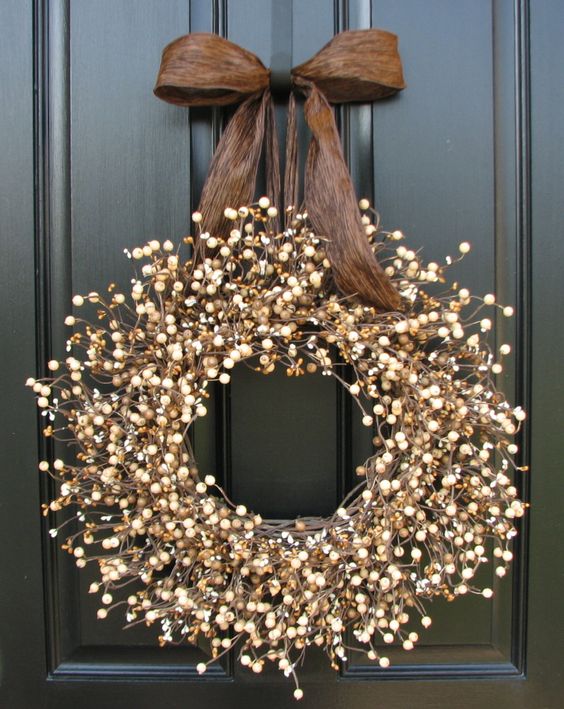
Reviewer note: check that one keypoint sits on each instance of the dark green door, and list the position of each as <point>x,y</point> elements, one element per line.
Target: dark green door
<point>91,163</point>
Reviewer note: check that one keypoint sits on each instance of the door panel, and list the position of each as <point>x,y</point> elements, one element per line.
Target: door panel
<point>102,166</point>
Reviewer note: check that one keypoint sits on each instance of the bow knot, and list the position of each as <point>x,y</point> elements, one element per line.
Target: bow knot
<point>203,69</point>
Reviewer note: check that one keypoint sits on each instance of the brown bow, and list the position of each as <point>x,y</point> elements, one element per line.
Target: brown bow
<point>363,65</point>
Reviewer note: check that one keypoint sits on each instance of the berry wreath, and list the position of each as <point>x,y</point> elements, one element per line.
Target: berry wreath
<point>435,501</point>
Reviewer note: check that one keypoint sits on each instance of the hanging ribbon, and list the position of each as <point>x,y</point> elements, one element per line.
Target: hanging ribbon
<point>363,65</point>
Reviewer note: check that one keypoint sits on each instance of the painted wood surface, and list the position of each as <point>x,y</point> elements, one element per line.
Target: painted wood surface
<point>93,164</point>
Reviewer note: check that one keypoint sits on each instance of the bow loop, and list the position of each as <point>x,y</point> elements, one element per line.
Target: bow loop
<point>358,65</point>
<point>202,69</point>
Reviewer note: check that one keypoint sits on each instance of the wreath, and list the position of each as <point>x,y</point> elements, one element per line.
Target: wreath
<point>433,503</point>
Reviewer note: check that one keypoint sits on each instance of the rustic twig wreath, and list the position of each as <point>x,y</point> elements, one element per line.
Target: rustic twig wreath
<point>435,499</point>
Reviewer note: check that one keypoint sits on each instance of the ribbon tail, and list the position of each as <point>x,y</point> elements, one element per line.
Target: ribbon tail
<point>272,160</point>
<point>291,168</point>
<point>233,171</point>
<point>332,207</point>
